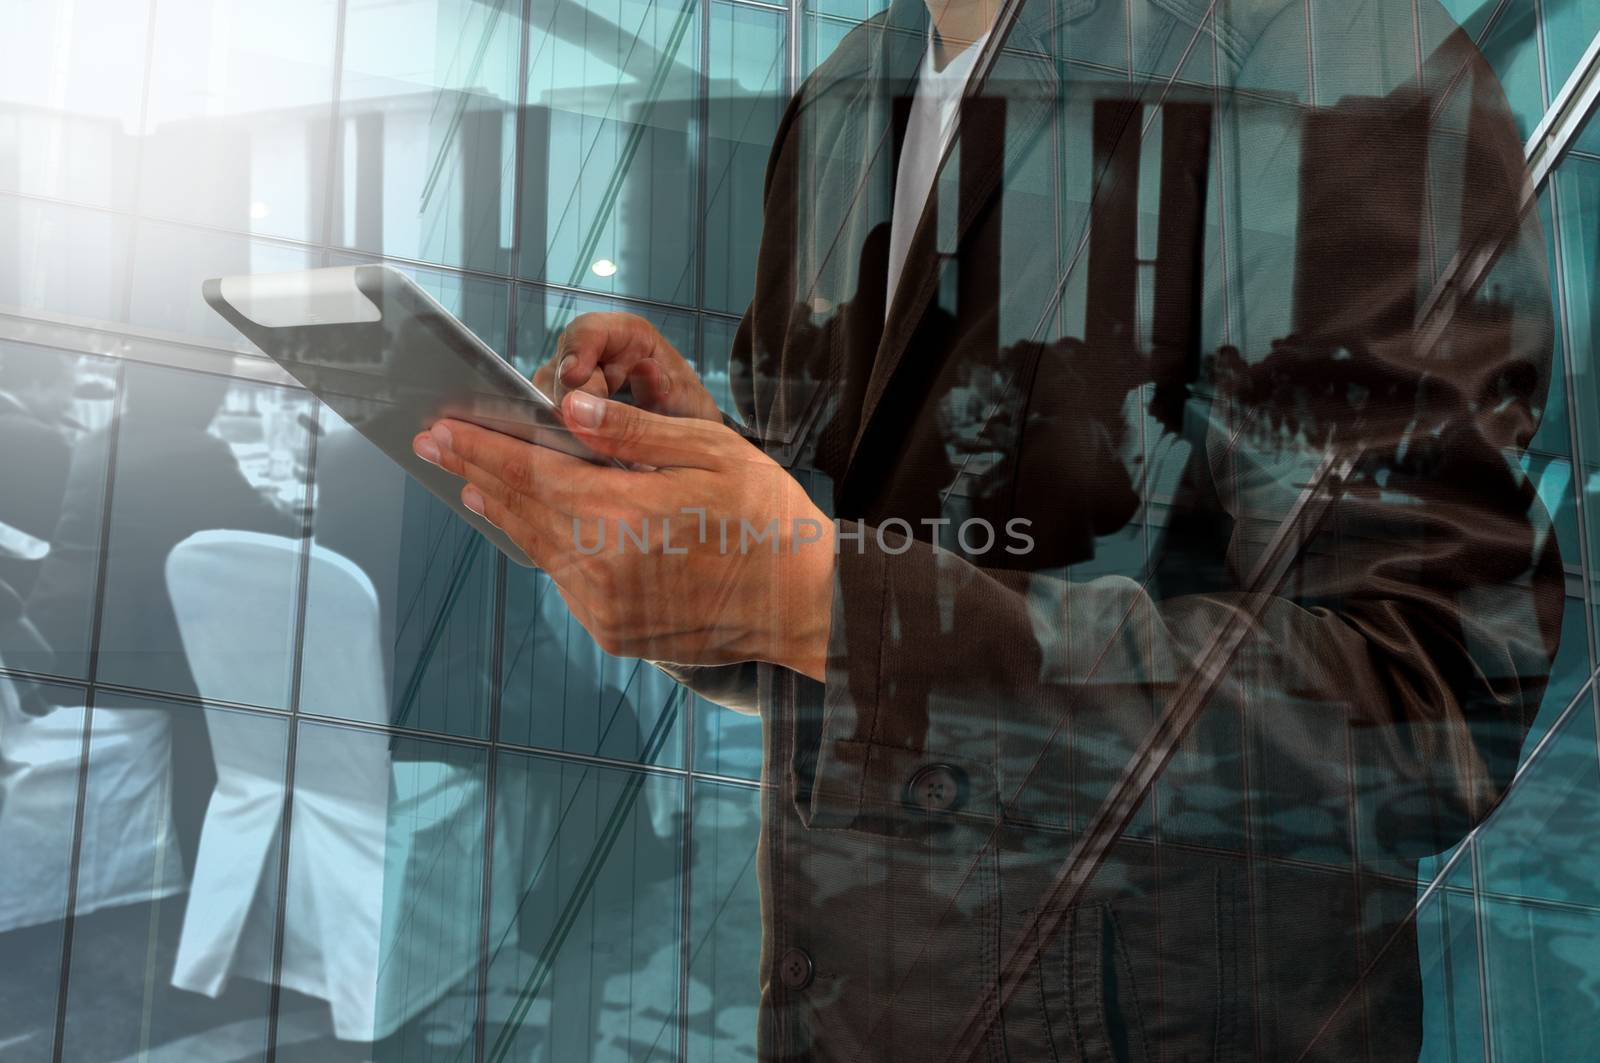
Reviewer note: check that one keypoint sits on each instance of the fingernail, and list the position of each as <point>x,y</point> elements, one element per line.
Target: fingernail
<point>441,435</point>
<point>566,363</point>
<point>426,449</point>
<point>588,410</point>
<point>472,499</point>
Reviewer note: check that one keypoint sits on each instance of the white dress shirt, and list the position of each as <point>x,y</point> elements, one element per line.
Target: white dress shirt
<point>935,108</point>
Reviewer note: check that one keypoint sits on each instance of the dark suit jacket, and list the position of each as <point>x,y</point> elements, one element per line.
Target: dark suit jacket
<point>1176,296</point>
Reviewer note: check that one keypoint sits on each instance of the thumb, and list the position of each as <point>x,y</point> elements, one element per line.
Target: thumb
<point>618,430</point>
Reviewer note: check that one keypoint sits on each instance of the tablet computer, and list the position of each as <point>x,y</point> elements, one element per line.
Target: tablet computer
<point>386,357</point>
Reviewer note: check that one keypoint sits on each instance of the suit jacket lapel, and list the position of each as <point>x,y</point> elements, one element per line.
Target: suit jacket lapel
<point>920,277</point>
<point>850,125</point>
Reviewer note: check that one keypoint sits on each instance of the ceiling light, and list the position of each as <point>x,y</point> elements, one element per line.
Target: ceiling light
<point>604,267</point>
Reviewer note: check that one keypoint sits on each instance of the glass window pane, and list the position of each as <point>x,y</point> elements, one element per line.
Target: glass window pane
<point>479,303</point>
<point>178,796</point>
<point>196,451</point>
<point>608,194</point>
<point>726,742</point>
<point>1541,965</point>
<point>429,609</point>
<point>171,262</point>
<point>586,956</point>
<point>1552,478</point>
<point>239,140</point>
<point>1347,53</point>
<point>1571,668</point>
<point>383,910</point>
<point>1450,959</point>
<point>713,363</point>
<point>427,131</point>
<point>822,34</point>
<point>1472,15</point>
<point>542,314</point>
<point>560,691</point>
<point>40,762</point>
<point>748,65</point>
<point>1511,47</point>
<point>1577,190</point>
<point>55,411</point>
<point>431,573</point>
<point>70,92</point>
<point>1539,842</point>
<point>854,10</point>
<point>724,923</point>
<point>1569,26</point>
<point>64,261</point>
<point>1555,428</point>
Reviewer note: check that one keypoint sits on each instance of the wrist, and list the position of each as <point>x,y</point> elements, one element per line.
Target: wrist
<point>805,615</point>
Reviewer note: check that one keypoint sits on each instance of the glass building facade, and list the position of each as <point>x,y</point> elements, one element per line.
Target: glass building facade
<point>483,838</point>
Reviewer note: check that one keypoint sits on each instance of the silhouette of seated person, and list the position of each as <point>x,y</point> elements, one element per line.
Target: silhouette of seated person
<point>171,478</point>
<point>36,426</point>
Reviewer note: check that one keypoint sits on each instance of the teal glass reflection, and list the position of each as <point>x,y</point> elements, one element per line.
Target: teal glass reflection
<point>608,187</point>
<point>170,262</point>
<point>86,273</point>
<point>854,10</point>
<point>821,35</point>
<point>1392,37</point>
<point>560,691</point>
<point>1452,972</point>
<point>726,742</point>
<point>1555,427</point>
<point>1569,26</point>
<point>1538,843</point>
<point>542,314</point>
<point>480,303</point>
<point>1569,672</point>
<point>178,864</point>
<point>724,923</point>
<point>55,409</point>
<point>1553,479</point>
<point>431,932</point>
<point>431,597</point>
<point>748,67</point>
<point>239,141</point>
<point>586,958</point>
<point>1473,16</point>
<point>74,90</point>
<point>432,575</point>
<point>1576,191</point>
<point>388,834</point>
<point>1511,46</point>
<point>716,343</point>
<point>427,131</point>
<point>40,764</point>
<point>195,452</point>
<point>1542,969</point>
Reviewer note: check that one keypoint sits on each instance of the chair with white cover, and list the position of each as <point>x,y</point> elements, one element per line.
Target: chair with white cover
<point>381,911</point>
<point>128,797</point>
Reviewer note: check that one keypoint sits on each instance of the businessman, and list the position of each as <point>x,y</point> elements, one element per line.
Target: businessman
<point>1165,583</point>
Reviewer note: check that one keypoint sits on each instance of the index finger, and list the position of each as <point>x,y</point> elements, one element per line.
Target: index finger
<point>546,380</point>
<point>610,341</point>
<point>556,480</point>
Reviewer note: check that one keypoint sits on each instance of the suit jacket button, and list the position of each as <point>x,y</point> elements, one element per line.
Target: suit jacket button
<point>935,788</point>
<point>795,969</point>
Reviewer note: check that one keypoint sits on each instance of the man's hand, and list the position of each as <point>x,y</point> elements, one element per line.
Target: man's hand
<point>713,555</point>
<point>600,353</point>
